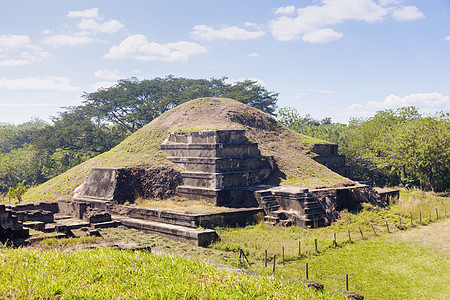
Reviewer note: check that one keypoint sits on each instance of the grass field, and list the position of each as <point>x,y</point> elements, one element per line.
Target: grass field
<point>408,262</point>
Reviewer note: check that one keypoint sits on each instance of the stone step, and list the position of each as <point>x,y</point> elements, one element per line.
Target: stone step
<point>212,150</point>
<point>186,234</point>
<point>221,164</point>
<point>109,224</point>
<point>225,179</point>
<point>236,136</point>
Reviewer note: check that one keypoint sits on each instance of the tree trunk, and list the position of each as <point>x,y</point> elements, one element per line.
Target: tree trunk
<point>431,180</point>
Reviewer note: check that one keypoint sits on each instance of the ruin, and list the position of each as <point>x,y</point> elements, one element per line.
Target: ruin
<point>245,164</point>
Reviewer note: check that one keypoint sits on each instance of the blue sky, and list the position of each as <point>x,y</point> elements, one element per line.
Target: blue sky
<point>328,58</point>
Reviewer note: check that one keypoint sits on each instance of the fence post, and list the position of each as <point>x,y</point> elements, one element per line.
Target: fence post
<point>437,215</point>
<point>315,244</point>
<point>349,237</point>
<point>335,243</point>
<point>273,269</point>
<point>411,220</point>
<point>307,273</point>
<point>387,226</point>
<point>283,255</point>
<point>373,228</point>
<point>299,248</point>
<point>346,282</point>
<point>420,217</point>
<point>265,259</point>
<point>362,235</point>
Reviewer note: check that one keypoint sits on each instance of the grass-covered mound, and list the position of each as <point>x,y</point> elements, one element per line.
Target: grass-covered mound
<point>290,149</point>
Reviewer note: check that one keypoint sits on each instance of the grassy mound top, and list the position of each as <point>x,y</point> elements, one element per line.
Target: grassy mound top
<point>290,149</point>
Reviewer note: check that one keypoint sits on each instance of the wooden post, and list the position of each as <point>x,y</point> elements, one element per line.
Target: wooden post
<point>283,255</point>
<point>429,215</point>
<point>349,237</point>
<point>315,244</point>
<point>346,282</point>
<point>335,243</point>
<point>299,248</point>
<point>307,275</point>
<point>411,220</point>
<point>373,228</point>
<point>437,215</point>
<point>273,268</point>
<point>420,217</point>
<point>362,235</point>
<point>387,226</point>
<point>265,259</point>
<point>400,220</point>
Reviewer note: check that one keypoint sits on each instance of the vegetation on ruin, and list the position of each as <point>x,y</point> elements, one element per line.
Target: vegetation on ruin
<point>295,167</point>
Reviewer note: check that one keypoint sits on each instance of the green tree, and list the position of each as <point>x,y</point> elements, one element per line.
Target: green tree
<point>131,104</point>
<point>18,192</point>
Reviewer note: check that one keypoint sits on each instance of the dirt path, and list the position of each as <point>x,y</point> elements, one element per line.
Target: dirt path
<point>435,236</point>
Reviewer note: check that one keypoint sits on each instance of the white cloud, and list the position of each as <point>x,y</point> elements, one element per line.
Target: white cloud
<point>138,47</point>
<point>447,38</point>
<point>13,45</point>
<point>331,12</point>
<point>407,13</point>
<point>323,35</point>
<point>423,100</point>
<point>111,26</point>
<point>314,23</point>
<point>88,13</point>
<point>57,83</point>
<point>253,55</point>
<point>60,40</point>
<point>14,62</point>
<point>287,10</point>
<point>204,32</point>
<point>108,74</point>
<point>11,42</point>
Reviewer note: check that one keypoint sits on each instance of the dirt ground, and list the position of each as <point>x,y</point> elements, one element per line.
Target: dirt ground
<point>435,236</point>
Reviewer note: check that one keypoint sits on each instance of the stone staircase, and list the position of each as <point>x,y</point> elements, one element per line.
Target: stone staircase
<point>221,165</point>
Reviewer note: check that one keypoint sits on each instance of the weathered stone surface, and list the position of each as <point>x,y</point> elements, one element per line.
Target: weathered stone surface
<point>192,236</point>
<point>349,294</point>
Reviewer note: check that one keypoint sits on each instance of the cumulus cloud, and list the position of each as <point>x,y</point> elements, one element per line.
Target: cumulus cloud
<point>286,10</point>
<point>314,23</point>
<point>204,32</point>
<point>57,83</point>
<point>90,25</point>
<point>137,46</point>
<point>423,100</point>
<point>60,40</point>
<point>323,35</point>
<point>253,54</point>
<point>19,51</point>
<point>88,13</point>
<point>107,74</point>
<point>407,13</point>
<point>447,38</point>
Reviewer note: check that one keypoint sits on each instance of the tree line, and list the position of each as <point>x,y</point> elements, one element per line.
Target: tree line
<point>394,147</point>
<point>37,151</point>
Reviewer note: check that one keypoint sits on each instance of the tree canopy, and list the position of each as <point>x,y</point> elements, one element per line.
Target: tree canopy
<point>130,104</point>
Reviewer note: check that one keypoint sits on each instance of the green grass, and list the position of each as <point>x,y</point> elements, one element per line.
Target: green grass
<point>113,274</point>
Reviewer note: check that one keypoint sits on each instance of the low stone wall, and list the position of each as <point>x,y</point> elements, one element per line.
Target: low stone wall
<point>236,217</point>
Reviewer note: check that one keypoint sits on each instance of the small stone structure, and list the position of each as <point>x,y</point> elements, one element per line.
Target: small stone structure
<point>10,226</point>
<point>220,164</point>
<point>329,157</point>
